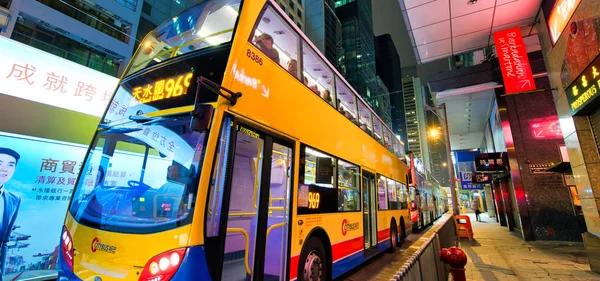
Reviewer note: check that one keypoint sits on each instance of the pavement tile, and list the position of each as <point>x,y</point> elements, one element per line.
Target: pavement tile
<point>497,255</point>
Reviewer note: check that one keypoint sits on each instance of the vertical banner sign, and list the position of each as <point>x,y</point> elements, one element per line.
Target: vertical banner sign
<point>513,60</point>
<point>559,17</point>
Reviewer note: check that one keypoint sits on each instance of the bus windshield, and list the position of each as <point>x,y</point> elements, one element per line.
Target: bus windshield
<point>140,178</point>
<point>207,24</point>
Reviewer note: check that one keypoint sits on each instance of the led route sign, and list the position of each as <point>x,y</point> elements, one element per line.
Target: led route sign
<point>163,89</point>
<point>584,89</point>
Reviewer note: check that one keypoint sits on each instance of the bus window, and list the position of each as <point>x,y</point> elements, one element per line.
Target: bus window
<point>346,100</point>
<point>396,146</point>
<point>317,76</point>
<point>277,41</point>
<point>377,130</point>
<point>365,121</point>
<point>348,191</point>
<point>402,195</point>
<point>205,25</point>
<point>318,168</point>
<point>382,190</point>
<point>392,195</point>
<point>387,138</point>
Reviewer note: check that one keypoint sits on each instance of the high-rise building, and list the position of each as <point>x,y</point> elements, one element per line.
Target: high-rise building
<point>94,33</point>
<point>357,63</point>
<point>295,10</point>
<point>388,68</point>
<point>416,124</point>
<point>324,29</point>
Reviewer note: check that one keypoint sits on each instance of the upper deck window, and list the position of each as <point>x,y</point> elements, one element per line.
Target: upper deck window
<point>365,119</point>
<point>208,24</point>
<point>277,40</point>
<point>317,76</point>
<point>346,100</point>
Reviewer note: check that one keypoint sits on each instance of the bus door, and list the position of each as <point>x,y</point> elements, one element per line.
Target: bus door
<point>369,212</point>
<point>257,194</point>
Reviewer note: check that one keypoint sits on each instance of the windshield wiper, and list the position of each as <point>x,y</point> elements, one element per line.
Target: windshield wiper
<point>122,130</point>
<point>142,119</point>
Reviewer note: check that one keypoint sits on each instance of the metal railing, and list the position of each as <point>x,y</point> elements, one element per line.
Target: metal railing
<point>424,264</point>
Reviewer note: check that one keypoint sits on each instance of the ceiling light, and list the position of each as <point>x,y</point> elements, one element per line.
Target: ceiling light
<point>471,2</point>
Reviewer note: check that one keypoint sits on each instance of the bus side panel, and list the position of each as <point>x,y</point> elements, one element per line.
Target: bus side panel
<point>344,231</point>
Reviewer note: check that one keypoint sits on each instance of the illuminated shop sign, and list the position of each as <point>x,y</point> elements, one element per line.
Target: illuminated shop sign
<point>514,63</point>
<point>32,74</point>
<point>546,128</point>
<point>559,17</point>
<point>584,89</point>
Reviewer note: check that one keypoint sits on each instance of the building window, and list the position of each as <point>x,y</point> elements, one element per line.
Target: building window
<point>110,25</point>
<point>299,13</point>
<point>130,4</point>
<point>147,8</point>
<point>5,3</point>
<point>31,34</point>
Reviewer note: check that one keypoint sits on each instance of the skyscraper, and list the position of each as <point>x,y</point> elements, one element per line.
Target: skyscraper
<point>324,29</point>
<point>416,124</point>
<point>389,69</point>
<point>295,10</point>
<point>358,59</point>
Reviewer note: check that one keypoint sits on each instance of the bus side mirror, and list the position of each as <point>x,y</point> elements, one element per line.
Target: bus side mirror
<point>202,116</point>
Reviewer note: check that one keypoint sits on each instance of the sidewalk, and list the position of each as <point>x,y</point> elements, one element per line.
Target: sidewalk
<point>495,254</point>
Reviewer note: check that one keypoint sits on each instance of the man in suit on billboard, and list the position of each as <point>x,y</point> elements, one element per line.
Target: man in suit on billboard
<point>9,202</point>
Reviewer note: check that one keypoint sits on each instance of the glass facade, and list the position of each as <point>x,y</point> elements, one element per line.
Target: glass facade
<point>83,12</point>
<point>45,38</point>
<point>358,59</point>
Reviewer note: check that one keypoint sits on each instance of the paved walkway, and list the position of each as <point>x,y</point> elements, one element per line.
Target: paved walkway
<point>496,254</point>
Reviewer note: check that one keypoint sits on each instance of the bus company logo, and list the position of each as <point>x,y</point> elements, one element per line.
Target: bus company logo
<point>348,226</point>
<point>99,246</point>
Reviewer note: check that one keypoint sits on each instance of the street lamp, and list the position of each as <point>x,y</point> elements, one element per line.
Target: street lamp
<point>448,151</point>
<point>444,164</point>
<point>434,133</point>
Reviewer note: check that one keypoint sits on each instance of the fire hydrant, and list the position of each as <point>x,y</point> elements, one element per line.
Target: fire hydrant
<point>457,259</point>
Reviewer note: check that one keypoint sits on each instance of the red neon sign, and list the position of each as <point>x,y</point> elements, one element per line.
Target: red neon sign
<point>559,17</point>
<point>513,60</point>
<point>546,128</point>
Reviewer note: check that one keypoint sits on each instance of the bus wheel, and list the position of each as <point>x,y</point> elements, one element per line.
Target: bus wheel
<point>402,232</point>
<point>393,237</point>
<point>313,262</point>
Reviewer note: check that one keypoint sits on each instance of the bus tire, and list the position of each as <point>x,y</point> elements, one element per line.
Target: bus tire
<point>313,263</point>
<point>393,237</point>
<point>402,231</point>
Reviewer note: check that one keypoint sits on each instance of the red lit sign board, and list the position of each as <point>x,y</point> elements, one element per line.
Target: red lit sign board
<point>513,60</point>
<point>559,17</point>
<point>546,128</point>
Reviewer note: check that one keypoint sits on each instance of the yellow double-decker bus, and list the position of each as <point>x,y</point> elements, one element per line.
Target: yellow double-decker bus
<point>232,150</point>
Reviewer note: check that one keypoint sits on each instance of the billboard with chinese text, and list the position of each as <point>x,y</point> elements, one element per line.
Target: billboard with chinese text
<point>32,74</point>
<point>42,182</point>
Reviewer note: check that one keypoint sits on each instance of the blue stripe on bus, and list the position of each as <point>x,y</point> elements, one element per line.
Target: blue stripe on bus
<point>344,265</point>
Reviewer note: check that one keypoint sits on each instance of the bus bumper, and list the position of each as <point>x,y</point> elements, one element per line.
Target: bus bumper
<point>193,267</point>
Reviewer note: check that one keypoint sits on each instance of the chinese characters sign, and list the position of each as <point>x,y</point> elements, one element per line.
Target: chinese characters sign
<point>35,75</point>
<point>585,88</point>
<point>514,63</point>
<point>163,89</point>
<point>546,128</point>
<point>559,17</point>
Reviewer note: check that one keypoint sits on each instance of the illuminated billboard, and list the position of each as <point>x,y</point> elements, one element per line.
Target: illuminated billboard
<point>32,74</point>
<point>559,17</point>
